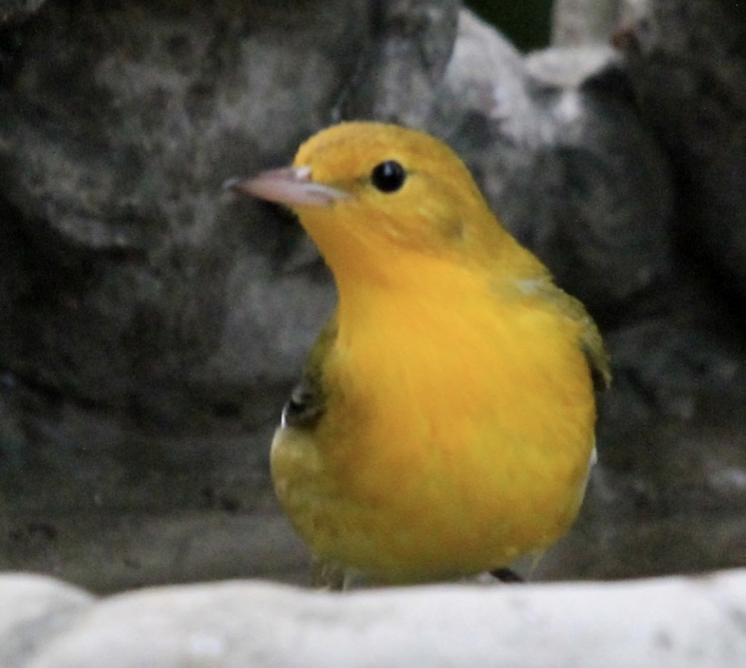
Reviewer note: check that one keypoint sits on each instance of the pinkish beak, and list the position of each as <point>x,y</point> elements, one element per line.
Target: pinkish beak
<point>291,186</point>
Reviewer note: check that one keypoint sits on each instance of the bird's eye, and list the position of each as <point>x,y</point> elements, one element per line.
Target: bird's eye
<point>388,176</point>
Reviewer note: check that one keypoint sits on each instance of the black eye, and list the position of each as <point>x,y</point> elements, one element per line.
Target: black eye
<point>389,176</point>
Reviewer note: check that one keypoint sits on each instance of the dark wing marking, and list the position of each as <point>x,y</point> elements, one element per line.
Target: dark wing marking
<point>305,405</point>
<point>308,398</point>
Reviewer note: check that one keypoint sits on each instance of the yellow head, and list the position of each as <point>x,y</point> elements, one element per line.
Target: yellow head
<point>371,194</point>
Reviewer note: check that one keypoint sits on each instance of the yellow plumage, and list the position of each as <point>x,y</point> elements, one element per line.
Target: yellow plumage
<point>444,425</point>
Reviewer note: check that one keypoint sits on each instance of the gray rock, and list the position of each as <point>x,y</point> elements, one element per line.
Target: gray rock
<point>584,22</point>
<point>400,70</point>
<point>603,177</point>
<point>687,65</point>
<point>16,10</point>
<point>558,148</point>
<point>151,325</point>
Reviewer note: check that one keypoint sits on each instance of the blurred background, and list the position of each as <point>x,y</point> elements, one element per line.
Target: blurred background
<point>526,24</point>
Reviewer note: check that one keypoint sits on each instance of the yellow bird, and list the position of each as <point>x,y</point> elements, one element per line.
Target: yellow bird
<point>444,423</point>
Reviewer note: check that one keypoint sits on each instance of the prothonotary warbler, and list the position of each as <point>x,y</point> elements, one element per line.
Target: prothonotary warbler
<point>444,423</point>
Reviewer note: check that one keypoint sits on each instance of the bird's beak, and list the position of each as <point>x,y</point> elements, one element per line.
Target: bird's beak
<point>291,186</point>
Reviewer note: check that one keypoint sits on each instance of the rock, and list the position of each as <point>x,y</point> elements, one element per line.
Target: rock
<point>151,326</point>
<point>556,143</point>
<point>34,610</point>
<point>672,621</point>
<point>670,430</point>
<point>400,71</point>
<point>605,182</point>
<point>584,22</point>
<point>687,64</point>
<point>16,10</point>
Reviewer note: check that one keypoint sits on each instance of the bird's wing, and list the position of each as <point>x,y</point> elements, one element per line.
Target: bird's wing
<point>591,342</point>
<point>307,400</point>
<point>553,297</point>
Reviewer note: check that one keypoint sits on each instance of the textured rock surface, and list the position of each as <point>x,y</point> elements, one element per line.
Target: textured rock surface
<point>15,10</point>
<point>673,444</point>
<point>150,325</point>
<point>674,622</point>
<point>582,22</point>
<point>34,611</point>
<point>692,56</point>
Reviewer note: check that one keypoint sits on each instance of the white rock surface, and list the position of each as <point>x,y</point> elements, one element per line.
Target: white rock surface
<point>675,621</point>
<point>33,609</point>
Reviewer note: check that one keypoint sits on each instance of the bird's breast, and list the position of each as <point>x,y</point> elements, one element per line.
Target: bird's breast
<point>453,440</point>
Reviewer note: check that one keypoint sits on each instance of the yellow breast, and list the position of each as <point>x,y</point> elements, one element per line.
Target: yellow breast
<point>456,436</point>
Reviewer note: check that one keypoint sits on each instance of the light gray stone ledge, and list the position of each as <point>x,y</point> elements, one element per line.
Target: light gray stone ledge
<point>674,621</point>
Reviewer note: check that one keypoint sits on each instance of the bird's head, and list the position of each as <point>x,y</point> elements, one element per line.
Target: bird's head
<point>371,194</point>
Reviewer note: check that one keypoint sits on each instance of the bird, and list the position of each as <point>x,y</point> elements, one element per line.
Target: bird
<point>444,422</point>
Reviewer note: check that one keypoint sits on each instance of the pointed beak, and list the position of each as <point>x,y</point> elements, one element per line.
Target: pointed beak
<point>291,186</point>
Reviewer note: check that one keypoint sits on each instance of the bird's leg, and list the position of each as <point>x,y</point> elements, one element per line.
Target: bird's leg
<point>506,575</point>
<point>326,575</point>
